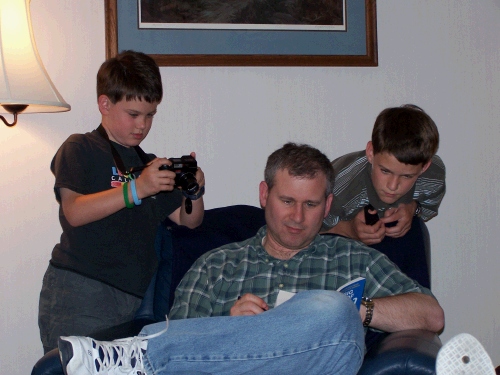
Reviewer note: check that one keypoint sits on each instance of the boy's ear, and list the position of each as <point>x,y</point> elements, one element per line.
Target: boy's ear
<point>426,165</point>
<point>103,103</point>
<point>369,152</point>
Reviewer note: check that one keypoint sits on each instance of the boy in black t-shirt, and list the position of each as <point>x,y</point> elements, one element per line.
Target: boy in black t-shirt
<point>109,214</point>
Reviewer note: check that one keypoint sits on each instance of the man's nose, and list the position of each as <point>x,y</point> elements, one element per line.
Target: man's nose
<point>298,213</point>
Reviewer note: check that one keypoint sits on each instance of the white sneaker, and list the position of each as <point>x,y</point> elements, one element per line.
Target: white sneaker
<point>463,355</point>
<point>84,355</point>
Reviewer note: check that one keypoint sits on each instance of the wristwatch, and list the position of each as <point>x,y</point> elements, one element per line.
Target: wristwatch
<point>370,305</point>
<point>196,196</point>
<point>418,210</point>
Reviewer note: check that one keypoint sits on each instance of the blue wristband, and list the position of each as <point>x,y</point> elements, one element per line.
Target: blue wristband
<point>137,201</point>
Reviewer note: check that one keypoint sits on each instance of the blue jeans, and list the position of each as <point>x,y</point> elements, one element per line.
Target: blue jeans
<point>315,332</point>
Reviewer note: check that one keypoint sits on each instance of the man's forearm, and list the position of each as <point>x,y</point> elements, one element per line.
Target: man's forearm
<point>407,311</point>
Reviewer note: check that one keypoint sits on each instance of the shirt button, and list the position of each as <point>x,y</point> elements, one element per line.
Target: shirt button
<point>285,265</point>
<point>281,286</point>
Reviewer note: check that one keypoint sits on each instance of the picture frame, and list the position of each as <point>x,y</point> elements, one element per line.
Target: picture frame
<point>357,46</point>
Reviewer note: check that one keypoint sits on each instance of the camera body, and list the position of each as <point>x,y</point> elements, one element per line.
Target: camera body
<point>185,169</point>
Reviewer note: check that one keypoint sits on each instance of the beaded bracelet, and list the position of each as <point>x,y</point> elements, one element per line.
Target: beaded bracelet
<point>137,201</point>
<point>125,196</point>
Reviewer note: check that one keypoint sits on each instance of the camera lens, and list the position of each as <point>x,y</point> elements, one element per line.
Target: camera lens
<point>187,182</point>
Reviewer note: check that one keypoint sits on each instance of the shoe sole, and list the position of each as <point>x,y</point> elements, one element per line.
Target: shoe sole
<point>464,355</point>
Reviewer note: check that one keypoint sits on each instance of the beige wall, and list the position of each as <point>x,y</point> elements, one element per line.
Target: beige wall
<point>441,55</point>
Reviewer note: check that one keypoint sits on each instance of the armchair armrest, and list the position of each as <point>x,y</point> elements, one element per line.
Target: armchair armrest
<point>406,352</point>
<point>49,364</point>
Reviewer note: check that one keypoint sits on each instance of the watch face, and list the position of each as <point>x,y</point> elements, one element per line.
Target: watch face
<point>365,301</point>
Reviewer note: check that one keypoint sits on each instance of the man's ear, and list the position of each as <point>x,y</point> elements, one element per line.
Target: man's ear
<point>104,104</point>
<point>329,200</point>
<point>263,193</point>
<point>369,152</point>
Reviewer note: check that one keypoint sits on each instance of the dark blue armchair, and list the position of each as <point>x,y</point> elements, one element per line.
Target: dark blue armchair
<point>406,352</point>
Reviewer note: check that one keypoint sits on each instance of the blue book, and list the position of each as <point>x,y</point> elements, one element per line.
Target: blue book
<point>354,290</point>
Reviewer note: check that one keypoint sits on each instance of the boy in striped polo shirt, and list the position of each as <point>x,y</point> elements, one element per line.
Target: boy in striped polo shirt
<point>395,180</point>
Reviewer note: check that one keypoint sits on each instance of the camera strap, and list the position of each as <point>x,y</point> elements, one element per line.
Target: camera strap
<point>188,206</point>
<point>116,156</point>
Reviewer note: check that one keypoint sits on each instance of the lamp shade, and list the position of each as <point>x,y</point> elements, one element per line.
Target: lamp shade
<point>23,79</point>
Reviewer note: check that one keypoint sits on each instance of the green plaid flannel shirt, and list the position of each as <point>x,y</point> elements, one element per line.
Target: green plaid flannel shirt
<point>219,277</point>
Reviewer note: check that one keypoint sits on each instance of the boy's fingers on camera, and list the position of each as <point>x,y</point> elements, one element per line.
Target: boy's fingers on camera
<point>200,177</point>
<point>153,180</point>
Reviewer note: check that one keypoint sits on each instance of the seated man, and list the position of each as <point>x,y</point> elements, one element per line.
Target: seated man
<point>225,318</point>
<point>399,178</point>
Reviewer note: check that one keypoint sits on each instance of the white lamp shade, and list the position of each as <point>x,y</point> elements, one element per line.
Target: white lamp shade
<point>23,79</point>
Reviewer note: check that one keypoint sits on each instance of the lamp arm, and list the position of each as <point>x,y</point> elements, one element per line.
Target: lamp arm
<point>7,123</point>
<point>14,109</point>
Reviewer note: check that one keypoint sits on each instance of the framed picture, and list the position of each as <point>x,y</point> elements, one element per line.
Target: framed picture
<point>347,38</point>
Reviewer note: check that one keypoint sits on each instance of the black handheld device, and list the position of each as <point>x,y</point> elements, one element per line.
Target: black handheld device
<point>370,219</point>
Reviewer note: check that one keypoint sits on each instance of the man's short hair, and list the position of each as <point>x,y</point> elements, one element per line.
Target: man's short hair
<point>300,160</point>
<point>131,74</point>
<point>406,132</point>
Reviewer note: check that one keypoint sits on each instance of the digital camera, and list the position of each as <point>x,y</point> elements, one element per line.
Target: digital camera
<point>185,169</point>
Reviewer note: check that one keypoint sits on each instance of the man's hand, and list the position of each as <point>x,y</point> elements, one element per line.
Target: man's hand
<point>249,304</point>
<point>403,215</point>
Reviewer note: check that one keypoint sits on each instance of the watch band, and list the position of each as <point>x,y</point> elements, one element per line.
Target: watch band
<point>369,305</point>
<point>418,210</point>
<point>198,195</point>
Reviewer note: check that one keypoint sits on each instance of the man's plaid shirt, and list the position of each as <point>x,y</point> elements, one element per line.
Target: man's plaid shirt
<point>219,277</point>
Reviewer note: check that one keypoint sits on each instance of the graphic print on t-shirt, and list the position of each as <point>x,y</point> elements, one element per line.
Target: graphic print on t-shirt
<point>118,178</point>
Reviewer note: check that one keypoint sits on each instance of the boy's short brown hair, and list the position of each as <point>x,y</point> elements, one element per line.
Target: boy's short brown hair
<point>406,132</point>
<point>131,74</point>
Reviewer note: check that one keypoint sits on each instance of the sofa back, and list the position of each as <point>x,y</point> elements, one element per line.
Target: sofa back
<point>178,247</point>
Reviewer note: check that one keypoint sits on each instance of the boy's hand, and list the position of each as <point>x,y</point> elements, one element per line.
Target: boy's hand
<point>403,215</point>
<point>193,219</point>
<point>153,180</point>
<point>200,176</point>
<point>249,304</point>
<point>368,234</point>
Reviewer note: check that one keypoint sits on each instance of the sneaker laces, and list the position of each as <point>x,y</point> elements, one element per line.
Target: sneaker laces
<point>125,354</point>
